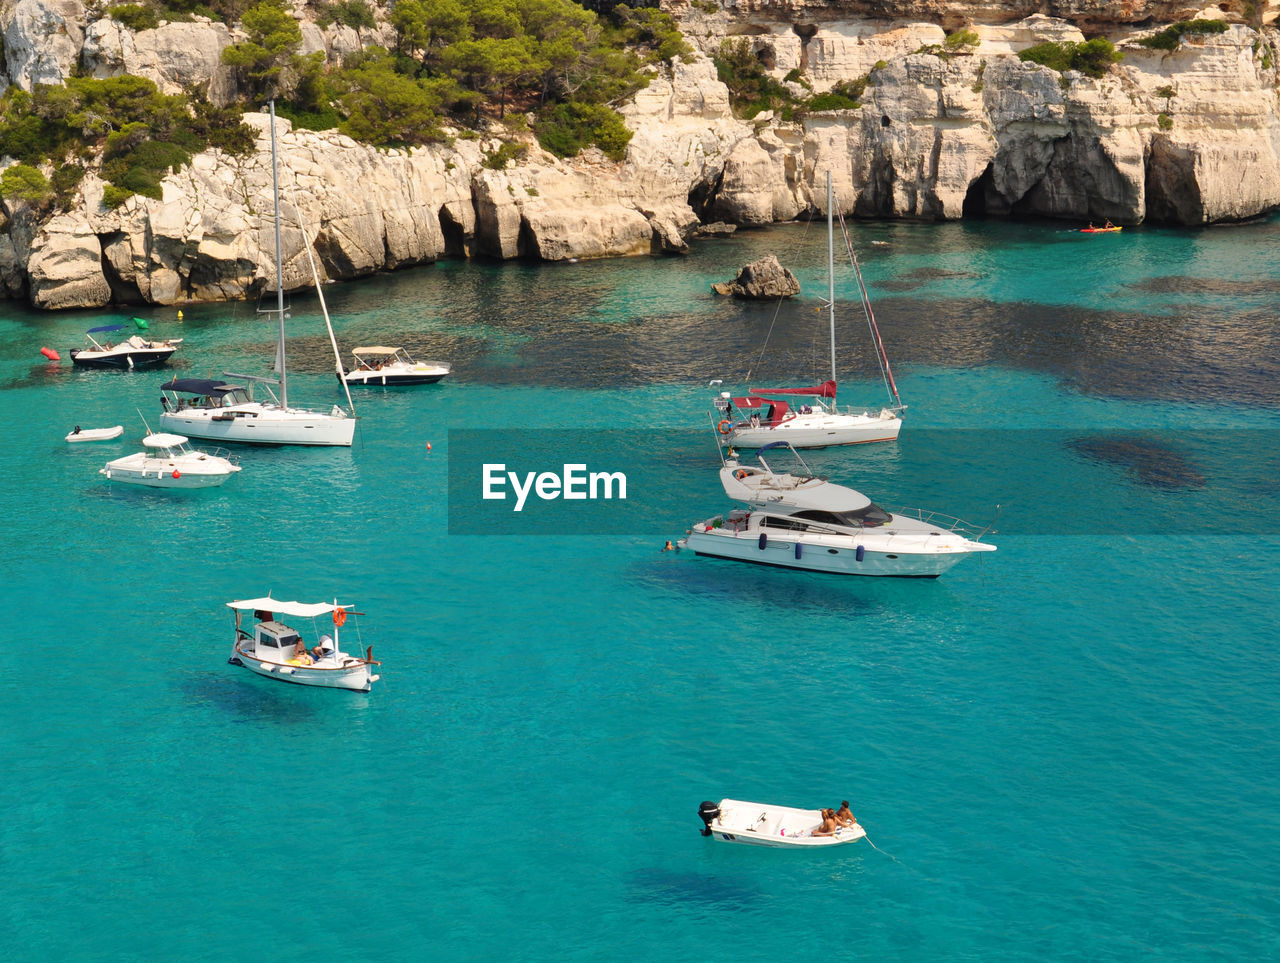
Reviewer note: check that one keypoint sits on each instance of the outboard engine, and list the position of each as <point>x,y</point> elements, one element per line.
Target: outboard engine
<point>708,812</point>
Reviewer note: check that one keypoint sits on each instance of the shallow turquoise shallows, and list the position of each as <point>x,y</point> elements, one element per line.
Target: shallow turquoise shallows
<point>1062,750</point>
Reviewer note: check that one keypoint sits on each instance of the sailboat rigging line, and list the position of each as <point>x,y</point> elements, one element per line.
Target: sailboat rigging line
<point>777,308</point>
<point>886,373</point>
<point>324,309</point>
<point>275,191</point>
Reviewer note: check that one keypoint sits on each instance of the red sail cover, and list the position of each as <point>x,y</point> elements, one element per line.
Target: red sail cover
<point>825,390</point>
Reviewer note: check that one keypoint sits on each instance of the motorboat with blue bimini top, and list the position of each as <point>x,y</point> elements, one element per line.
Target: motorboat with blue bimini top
<point>133,352</point>
<point>781,827</point>
<point>169,462</point>
<point>800,520</point>
<point>809,417</point>
<point>229,412</point>
<point>276,650</point>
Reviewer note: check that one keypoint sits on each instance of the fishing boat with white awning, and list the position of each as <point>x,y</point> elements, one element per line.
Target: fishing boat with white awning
<point>276,650</point>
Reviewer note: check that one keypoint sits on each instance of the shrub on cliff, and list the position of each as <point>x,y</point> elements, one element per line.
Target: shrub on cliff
<point>566,129</point>
<point>22,182</point>
<point>1092,58</point>
<point>751,89</point>
<point>141,132</point>
<point>1170,38</point>
<point>273,36</point>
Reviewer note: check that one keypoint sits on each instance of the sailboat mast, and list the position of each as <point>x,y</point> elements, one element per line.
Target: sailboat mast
<point>275,192</point>
<point>831,281</point>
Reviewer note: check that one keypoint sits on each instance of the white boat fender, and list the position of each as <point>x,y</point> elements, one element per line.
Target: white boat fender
<point>764,541</point>
<point>708,812</point>
<point>860,553</point>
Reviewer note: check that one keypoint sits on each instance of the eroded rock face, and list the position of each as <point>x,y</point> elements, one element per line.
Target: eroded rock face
<point>764,279</point>
<point>42,40</point>
<point>1188,137</point>
<point>176,56</point>
<point>65,268</point>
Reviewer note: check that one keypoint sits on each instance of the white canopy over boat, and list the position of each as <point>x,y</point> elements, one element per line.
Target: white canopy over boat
<point>303,610</point>
<point>276,650</point>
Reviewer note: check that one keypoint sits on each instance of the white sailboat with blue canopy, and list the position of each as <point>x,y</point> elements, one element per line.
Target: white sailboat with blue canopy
<point>227,410</point>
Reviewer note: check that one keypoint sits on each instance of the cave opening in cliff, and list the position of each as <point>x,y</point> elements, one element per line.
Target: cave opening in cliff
<point>975,198</point>
<point>455,235</point>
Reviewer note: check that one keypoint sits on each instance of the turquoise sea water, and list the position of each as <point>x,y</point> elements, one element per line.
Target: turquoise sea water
<point>1062,750</point>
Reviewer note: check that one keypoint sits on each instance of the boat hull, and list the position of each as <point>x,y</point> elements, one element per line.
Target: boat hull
<point>748,838</point>
<point>819,555</point>
<point>164,478</point>
<point>126,361</point>
<point>263,426</point>
<point>379,379</point>
<point>358,677</point>
<point>816,431</point>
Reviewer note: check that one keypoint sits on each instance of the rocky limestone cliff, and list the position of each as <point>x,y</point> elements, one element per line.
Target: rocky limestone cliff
<point>1188,137</point>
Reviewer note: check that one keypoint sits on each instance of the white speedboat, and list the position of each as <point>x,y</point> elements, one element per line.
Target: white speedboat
<point>169,462</point>
<point>231,412</point>
<point>798,520</point>
<point>766,415</point>
<point>272,650</point>
<point>388,367</point>
<point>757,824</point>
<point>133,352</point>
<point>78,434</point>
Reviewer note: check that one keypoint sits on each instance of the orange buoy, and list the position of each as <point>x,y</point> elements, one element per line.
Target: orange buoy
<point>176,473</point>
<point>50,354</point>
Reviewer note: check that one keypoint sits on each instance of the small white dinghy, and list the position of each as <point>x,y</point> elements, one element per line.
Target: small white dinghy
<point>757,824</point>
<point>95,434</point>
<point>169,462</point>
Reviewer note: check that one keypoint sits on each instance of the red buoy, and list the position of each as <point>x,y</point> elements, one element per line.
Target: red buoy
<point>50,354</point>
<point>176,473</point>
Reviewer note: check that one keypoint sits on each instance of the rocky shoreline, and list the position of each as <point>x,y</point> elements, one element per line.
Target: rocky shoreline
<point>1185,137</point>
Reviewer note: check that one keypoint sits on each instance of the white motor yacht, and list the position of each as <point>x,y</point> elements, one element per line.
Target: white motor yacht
<point>799,520</point>
<point>169,462</point>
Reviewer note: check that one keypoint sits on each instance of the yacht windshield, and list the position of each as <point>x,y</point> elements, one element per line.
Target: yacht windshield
<point>873,516</point>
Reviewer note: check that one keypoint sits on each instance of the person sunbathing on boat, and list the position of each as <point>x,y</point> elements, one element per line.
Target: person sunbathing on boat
<point>323,648</point>
<point>830,826</point>
<point>843,816</point>
<point>300,653</point>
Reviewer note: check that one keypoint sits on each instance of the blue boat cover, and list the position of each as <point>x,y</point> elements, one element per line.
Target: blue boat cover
<point>199,386</point>
<point>107,327</point>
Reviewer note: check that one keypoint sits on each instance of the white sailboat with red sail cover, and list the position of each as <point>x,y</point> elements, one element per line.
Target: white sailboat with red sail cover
<point>768,415</point>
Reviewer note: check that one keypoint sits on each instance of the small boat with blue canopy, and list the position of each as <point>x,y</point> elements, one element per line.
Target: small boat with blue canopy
<point>127,354</point>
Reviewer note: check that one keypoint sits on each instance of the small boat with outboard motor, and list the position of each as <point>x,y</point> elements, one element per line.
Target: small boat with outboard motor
<point>78,434</point>
<point>384,367</point>
<point>133,352</point>
<point>782,827</point>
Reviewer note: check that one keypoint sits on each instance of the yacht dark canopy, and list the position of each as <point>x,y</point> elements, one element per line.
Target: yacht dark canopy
<point>198,386</point>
